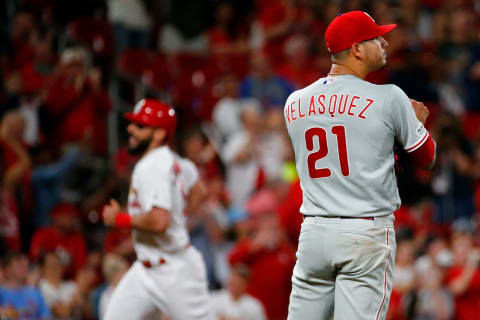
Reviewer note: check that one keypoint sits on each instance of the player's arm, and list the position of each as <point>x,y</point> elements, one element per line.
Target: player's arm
<point>424,157</point>
<point>156,220</point>
<point>196,196</point>
<point>407,118</point>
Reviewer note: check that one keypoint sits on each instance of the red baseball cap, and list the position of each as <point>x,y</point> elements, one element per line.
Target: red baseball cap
<point>154,113</point>
<point>353,27</point>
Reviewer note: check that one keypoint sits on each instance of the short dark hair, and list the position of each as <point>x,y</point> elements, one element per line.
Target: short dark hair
<point>10,256</point>
<point>339,55</point>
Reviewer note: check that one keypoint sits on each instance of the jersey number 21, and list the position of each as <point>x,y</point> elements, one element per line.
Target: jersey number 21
<point>322,152</point>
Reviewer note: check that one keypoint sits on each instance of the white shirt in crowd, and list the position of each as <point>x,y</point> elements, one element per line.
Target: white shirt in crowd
<point>226,116</point>
<point>241,177</point>
<point>245,308</point>
<point>53,295</point>
<point>131,13</point>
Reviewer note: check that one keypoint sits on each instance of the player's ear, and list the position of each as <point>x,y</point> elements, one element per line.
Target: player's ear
<point>160,136</point>
<point>356,50</point>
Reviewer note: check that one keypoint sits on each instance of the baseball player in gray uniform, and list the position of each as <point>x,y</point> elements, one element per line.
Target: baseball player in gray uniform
<point>343,129</point>
<point>169,274</point>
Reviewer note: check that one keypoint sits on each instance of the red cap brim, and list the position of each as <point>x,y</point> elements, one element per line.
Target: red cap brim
<point>385,29</point>
<point>132,117</point>
<point>129,116</point>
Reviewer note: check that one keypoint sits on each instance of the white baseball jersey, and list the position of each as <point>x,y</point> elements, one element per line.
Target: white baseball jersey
<point>342,130</point>
<point>161,179</point>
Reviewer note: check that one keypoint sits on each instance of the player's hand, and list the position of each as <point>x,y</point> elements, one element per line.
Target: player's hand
<point>420,110</point>
<point>110,212</point>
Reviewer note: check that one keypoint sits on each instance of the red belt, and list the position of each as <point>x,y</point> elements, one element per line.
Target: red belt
<point>364,218</point>
<point>148,264</point>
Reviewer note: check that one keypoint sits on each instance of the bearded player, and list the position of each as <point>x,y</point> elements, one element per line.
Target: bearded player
<point>169,274</point>
<point>343,129</point>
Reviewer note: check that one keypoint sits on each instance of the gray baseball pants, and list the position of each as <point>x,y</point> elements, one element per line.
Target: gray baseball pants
<point>344,269</point>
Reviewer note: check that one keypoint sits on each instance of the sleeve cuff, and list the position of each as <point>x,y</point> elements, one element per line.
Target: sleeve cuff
<point>418,144</point>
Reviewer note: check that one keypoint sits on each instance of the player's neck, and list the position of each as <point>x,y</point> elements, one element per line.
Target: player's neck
<point>153,147</point>
<point>339,69</point>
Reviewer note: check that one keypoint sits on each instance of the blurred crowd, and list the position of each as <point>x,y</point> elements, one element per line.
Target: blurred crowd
<point>69,69</point>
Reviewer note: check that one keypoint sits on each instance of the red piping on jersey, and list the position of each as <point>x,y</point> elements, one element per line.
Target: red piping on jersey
<point>419,143</point>
<point>385,277</point>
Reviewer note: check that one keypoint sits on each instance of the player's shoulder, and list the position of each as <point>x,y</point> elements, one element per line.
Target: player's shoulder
<point>160,159</point>
<point>387,93</point>
<point>186,165</point>
<point>374,86</point>
<point>391,90</point>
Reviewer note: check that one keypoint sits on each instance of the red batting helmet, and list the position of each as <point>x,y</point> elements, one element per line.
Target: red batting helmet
<point>154,113</point>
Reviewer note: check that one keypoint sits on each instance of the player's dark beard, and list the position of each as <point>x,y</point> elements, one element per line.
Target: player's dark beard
<point>141,147</point>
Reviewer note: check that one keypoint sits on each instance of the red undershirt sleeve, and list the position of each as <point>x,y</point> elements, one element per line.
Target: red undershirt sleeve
<point>423,156</point>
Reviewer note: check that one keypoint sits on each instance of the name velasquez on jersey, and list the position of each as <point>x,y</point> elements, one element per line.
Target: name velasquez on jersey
<point>330,105</point>
<point>343,130</point>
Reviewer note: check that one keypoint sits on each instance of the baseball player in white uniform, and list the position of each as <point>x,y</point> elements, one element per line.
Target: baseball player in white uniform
<point>169,275</point>
<point>343,130</point>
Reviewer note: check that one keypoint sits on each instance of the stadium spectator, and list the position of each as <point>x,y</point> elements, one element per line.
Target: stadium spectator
<point>234,302</point>
<point>48,177</point>
<point>132,22</point>
<point>463,278</point>
<point>299,68</point>
<point>184,30</point>
<point>14,166</point>
<point>76,103</point>
<point>241,155</point>
<point>222,37</point>
<point>432,300</point>
<point>289,212</point>
<point>271,28</point>
<point>263,84</point>
<point>63,238</point>
<point>227,111</point>
<point>17,299</point>
<point>454,179</point>
<point>114,267</point>
<point>270,259</point>
<point>62,297</point>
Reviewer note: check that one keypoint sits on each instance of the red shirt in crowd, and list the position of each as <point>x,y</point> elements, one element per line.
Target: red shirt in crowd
<point>272,14</point>
<point>72,246</point>
<point>32,80</point>
<point>289,212</point>
<point>79,111</point>
<point>467,304</point>
<point>218,37</point>
<point>270,275</point>
<point>299,76</point>
<point>9,228</point>
<point>25,183</point>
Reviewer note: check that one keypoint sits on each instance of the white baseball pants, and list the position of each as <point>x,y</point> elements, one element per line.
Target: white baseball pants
<point>177,288</point>
<point>344,269</point>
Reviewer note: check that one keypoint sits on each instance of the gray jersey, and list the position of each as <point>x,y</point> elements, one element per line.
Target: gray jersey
<point>343,130</point>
